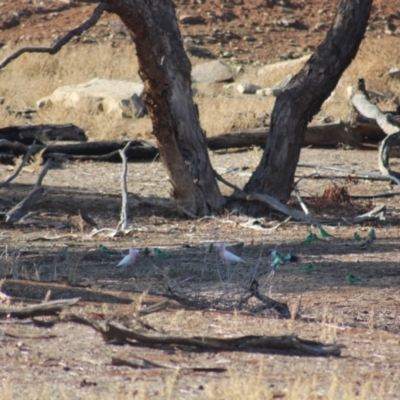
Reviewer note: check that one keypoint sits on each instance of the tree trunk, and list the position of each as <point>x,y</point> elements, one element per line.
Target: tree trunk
<point>165,70</point>
<point>302,99</point>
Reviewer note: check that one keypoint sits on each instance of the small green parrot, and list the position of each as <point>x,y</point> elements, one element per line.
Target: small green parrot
<point>357,237</point>
<point>312,237</point>
<point>352,279</point>
<point>308,268</point>
<point>371,234</point>
<point>322,232</point>
<point>161,254</point>
<point>105,250</point>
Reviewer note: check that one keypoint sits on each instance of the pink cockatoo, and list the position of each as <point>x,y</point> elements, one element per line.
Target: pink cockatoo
<point>226,255</point>
<point>130,258</point>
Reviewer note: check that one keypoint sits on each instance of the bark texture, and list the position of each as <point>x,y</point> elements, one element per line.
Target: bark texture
<point>165,70</point>
<point>303,97</point>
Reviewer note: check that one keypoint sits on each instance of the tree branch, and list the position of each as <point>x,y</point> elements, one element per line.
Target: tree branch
<point>23,162</point>
<point>123,223</point>
<point>64,40</point>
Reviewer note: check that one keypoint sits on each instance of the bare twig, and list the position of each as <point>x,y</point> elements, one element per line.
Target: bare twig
<point>29,202</point>
<point>354,172</point>
<point>64,40</point>
<point>123,223</point>
<point>298,196</point>
<point>23,162</point>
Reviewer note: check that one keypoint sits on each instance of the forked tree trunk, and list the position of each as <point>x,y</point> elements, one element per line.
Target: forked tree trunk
<point>302,99</point>
<point>165,70</point>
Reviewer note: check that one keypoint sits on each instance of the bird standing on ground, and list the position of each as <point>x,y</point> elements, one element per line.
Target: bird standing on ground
<point>352,279</point>
<point>226,255</point>
<point>323,233</point>
<point>130,258</point>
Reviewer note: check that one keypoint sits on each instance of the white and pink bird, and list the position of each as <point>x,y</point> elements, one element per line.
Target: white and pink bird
<point>130,258</point>
<point>226,255</point>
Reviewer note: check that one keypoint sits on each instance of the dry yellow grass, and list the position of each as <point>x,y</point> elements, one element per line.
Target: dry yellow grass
<point>222,108</point>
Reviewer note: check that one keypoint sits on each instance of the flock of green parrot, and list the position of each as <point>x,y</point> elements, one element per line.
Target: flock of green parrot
<point>278,258</point>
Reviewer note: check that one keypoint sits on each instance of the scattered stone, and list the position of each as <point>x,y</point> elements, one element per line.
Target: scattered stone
<point>212,72</point>
<point>227,54</point>
<point>192,20</point>
<point>120,98</point>
<point>292,66</point>
<point>319,26</point>
<point>277,89</point>
<point>247,88</point>
<point>265,92</point>
<point>394,73</point>
<point>249,38</point>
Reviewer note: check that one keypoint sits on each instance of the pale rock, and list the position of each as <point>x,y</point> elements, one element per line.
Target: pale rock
<point>212,72</point>
<point>247,88</point>
<point>291,66</point>
<point>119,98</point>
<point>394,73</point>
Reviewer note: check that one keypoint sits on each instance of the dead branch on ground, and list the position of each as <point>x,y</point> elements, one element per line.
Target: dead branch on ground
<point>98,11</point>
<point>45,309</point>
<point>114,331</point>
<point>376,213</point>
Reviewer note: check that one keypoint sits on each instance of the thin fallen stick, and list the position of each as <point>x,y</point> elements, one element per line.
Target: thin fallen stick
<point>352,171</point>
<point>50,308</point>
<point>23,162</point>
<point>64,40</point>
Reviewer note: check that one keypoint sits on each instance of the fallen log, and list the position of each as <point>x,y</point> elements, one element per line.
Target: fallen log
<point>114,331</point>
<point>327,135</point>
<point>43,133</point>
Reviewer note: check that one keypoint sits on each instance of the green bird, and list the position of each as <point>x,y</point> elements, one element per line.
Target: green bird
<point>308,268</point>
<point>312,237</point>
<point>371,234</point>
<point>352,279</point>
<point>105,250</point>
<point>322,232</point>
<point>357,237</point>
<point>161,254</point>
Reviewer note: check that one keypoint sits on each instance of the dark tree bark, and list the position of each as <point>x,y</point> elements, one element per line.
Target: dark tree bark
<point>165,70</point>
<point>302,99</point>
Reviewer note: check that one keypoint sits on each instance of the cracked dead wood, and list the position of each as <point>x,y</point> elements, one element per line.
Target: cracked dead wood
<point>114,331</point>
<point>29,202</point>
<point>45,309</point>
<point>98,11</point>
<point>43,133</point>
